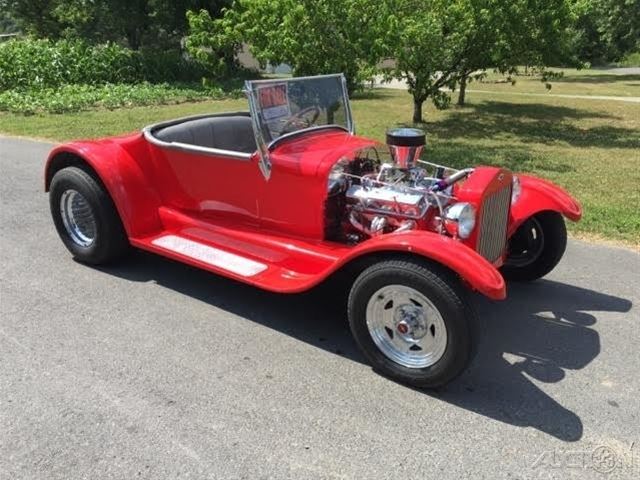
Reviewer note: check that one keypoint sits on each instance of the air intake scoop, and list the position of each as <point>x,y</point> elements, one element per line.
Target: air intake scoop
<point>405,145</point>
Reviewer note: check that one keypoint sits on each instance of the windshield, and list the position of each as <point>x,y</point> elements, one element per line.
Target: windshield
<point>283,106</point>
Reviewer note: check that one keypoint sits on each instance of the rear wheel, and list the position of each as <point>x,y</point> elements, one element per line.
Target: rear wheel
<point>85,217</point>
<point>536,247</point>
<point>411,322</point>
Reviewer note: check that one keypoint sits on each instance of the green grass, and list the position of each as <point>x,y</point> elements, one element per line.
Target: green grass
<point>590,147</point>
<point>573,82</point>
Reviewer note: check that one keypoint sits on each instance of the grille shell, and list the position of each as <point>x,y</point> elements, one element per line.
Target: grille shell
<point>494,218</point>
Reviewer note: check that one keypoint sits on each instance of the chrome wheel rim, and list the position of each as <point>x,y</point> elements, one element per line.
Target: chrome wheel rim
<point>77,218</point>
<point>406,326</point>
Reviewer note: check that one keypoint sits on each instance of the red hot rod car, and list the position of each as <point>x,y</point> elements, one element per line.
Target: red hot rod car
<point>286,195</point>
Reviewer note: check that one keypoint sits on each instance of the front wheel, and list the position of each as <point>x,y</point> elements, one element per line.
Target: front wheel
<point>536,247</point>
<point>411,322</point>
<point>85,217</point>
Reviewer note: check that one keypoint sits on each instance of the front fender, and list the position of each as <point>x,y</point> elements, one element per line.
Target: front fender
<point>117,164</point>
<point>473,268</point>
<point>539,195</point>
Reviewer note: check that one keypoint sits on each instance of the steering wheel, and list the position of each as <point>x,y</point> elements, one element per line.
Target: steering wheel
<point>299,120</point>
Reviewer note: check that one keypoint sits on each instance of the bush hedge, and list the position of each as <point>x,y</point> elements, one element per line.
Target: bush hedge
<point>31,63</point>
<point>74,98</point>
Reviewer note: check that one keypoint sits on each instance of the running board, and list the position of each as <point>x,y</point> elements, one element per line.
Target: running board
<point>264,272</point>
<point>212,256</point>
<point>279,264</point>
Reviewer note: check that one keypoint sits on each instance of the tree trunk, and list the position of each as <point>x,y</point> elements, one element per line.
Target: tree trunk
<point>417,110</point>
<point>463,90</point>
<point>133,38</point>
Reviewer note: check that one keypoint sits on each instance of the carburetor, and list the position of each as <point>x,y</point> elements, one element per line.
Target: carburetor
<point>394,197</point>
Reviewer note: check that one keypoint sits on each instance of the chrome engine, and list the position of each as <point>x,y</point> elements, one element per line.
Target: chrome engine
<point>388,200</point>
<point>394,196</point>
<point>368,197</point>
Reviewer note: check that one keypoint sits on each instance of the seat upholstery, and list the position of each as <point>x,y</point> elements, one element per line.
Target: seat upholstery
<point>233,133</point>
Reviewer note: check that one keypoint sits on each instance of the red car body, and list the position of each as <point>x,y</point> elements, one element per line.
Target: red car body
<point>288,195</point>
<point>277,224</point>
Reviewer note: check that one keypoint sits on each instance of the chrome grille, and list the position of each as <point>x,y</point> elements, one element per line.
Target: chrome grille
<point>493,224</point>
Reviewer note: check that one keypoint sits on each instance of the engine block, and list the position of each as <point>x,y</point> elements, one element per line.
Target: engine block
<point>388,200</point>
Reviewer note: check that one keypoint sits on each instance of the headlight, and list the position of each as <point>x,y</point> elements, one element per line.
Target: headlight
<point>460,219</point>
<point>337,181</point>
<point>516,189</point>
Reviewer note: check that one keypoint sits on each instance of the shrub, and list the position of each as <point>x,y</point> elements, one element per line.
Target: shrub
<point>74,98</point>
<point>631,59</point>
<point>29,63</point>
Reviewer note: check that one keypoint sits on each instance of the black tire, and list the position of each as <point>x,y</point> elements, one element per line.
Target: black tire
<point>536,247</point>
<point>109,240</point>
<point>444,291</point>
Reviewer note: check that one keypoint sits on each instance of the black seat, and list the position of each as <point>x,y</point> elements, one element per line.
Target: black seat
<point>233,133</point>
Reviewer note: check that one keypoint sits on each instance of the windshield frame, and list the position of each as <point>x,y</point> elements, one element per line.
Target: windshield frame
<point>265,148</point>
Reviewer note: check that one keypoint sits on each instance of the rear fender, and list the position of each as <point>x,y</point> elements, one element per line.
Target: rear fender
<point>539,195</point>
<point>477,272</point>
<point>113,161</point>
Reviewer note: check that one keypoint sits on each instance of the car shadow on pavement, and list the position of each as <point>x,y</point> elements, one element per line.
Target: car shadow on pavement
<point>541,331</point>
<point>535,336</point>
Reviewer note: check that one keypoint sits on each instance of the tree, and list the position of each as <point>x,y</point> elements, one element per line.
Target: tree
<point>606,30</point>
<point>620,26</point>
<point>34,16</point>
<point>533,33</point>
<point>428,44</point>
<point>211,42</point>
<point>7,23</point>
<point>486,19</point>
<point>312,36</point>
<point>138,23</point>
<point>439,44</point>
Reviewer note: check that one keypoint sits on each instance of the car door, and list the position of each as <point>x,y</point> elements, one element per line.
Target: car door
<point>202,182</point>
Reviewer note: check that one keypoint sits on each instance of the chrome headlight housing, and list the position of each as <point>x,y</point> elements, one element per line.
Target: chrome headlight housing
<point>460,219</point>
<point>337,180</point>
<point>516,189</point>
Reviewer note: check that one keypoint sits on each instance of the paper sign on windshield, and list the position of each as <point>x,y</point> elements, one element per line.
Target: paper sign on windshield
<point>274,101</point>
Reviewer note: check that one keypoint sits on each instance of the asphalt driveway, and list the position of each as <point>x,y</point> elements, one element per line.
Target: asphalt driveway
<point>152,369</point>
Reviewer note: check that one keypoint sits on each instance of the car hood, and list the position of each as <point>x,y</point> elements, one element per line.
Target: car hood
<point>314,153</point>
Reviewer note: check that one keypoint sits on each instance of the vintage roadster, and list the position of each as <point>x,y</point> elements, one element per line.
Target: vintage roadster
<point>287,195</point>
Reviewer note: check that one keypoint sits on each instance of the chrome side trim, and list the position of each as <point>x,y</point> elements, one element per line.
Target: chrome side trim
<point>185,147</point>
<point>210,151</point>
